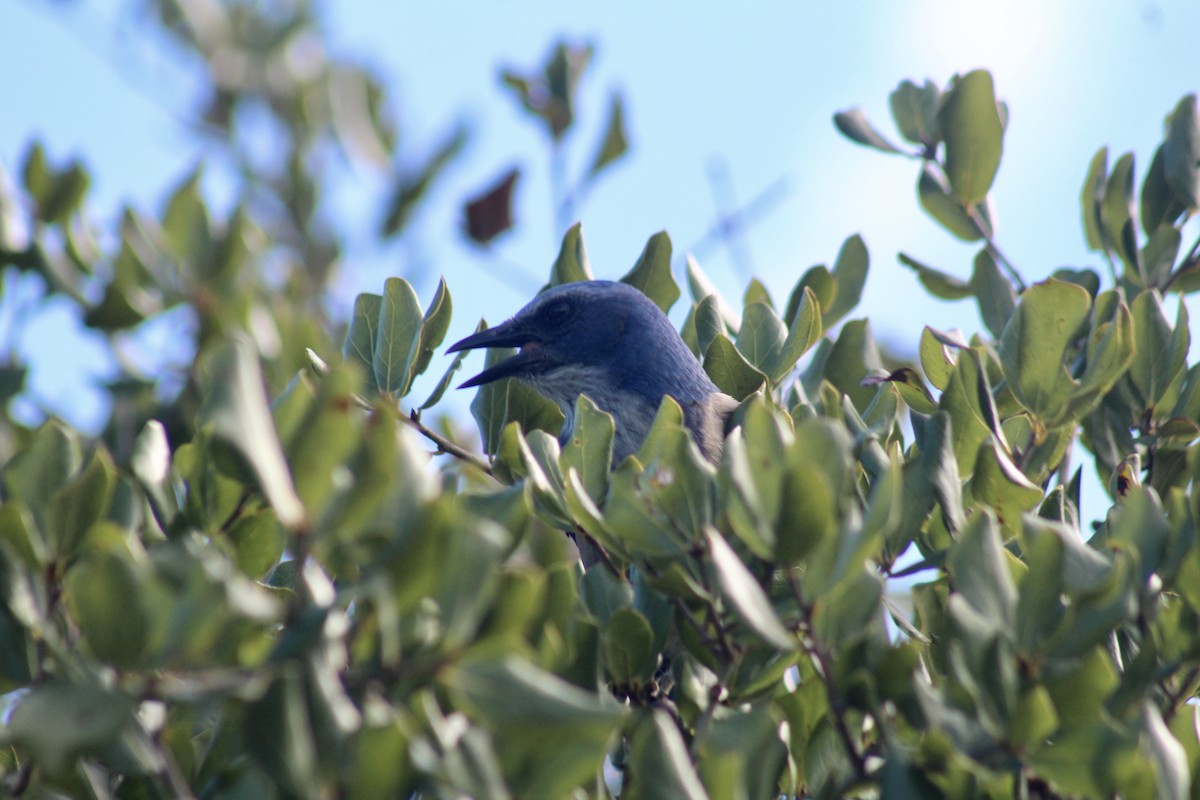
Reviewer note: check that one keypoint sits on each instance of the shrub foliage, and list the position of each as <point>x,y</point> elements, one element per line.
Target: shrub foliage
<point>884,586</point>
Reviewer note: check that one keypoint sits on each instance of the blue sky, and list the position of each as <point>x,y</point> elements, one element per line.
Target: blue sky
<point>751,87</point>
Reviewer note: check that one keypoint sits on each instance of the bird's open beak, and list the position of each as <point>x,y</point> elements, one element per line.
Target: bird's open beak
<point>508,334</point>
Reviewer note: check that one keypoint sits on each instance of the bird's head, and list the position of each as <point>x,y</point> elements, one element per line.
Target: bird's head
<point>591,337</point>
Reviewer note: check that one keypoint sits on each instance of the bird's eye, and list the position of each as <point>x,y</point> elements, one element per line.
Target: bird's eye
<point>558,313</point>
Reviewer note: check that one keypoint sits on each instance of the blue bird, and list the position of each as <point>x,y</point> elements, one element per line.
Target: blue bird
<point>610,342</point>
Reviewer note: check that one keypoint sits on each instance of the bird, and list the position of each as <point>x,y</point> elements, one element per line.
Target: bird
<point>611,342</point>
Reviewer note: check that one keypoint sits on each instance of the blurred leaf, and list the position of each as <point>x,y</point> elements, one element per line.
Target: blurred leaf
<point>106,601</point>
<point>258,543</point>
<point>186,222</point>
<point>550,95</point>
<point>915,110</point>
<point>993,292</point>
<point>81,503</point>
<point>278,733</point>
<point>1181,152</point>
<point>659,765</point>
<point>936,282</point>
<point>652,272</point>
<point>1160,207</point>
<point>971,128</point>
<point>1090,200</point>
<point>411,187</point>
<point>850,275</point>
<point>359,344</point>
<point>701,287</point>
<point>743,593</point>
<point>46,464</point>
<point>629,653</point>
<point>398,337</point>
<point>934,195</point>
<point>235,407</point>
<point>490,213</point>
<point>855,126</point>
<point>615,142</point>
<point>1117,213</point>
<point>1158,256</point>
<point>572,262</point>
<point>87,719</point>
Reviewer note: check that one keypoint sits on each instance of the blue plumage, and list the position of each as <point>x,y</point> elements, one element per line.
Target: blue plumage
<point>609,341</point>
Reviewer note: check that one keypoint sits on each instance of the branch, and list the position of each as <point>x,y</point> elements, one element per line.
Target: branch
<point>445,446</point>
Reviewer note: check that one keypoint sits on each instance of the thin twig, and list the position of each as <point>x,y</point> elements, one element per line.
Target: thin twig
<point>994,248</point>
<point>445,446</point>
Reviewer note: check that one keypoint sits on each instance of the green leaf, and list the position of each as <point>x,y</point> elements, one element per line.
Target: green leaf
<point>743,593</point>
<point>968,400</point>
<point>519,697</point>
<point>853,357</point>
<point>1117,213</point>
<point>86,719</point>
<point>1158,256</point>
<point>1160,206</point>
<point>973,133</point>
<point>186,222</point>
<point>629,653</point>
<point>729,369</point>
<point>444,382</point>
<point>934,194</point>
<point>936,360</point>
<point>978,568</point>
<point>398,336</point>
<point>652,272</point>
<point>1091,196</point>
<point>589,450</point>
<point>572,262</point>
<point>997,482</point>
<point>359,345</point>
<point>993,292</point>
<point>659,765</point>
<point>258,543</point>
<point>104,594</point>
<point>279,736</point>
<point>1161,348</point>
<point>615,142</point>
<point>850,275</point>
<point>433,330</point>
<point>937,283</point>
<point>151,465</point>
<point>235,407</point>
<point>1034,345</point>
<point>51,458</point>
<point>855,126</point>
<point>761,335</point>
<point>803,332</point>
<point>80,504</point>
<point>915,110</point>
<point>1181,152</point>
